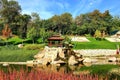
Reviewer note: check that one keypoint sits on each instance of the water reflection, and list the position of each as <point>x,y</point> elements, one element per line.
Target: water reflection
<point>55,68</point>
<point>48,68</point>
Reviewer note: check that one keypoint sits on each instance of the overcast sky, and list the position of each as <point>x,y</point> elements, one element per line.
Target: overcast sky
<point>47,8</point>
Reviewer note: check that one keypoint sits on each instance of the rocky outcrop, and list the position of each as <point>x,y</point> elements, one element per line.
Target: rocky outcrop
<point>71,57</point>
<point>57,56</point>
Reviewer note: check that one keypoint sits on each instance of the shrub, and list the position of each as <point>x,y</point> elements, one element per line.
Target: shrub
<point>97,35</point>
<point>34,46</point>
<point>39,40</point>
<point>15,40</point>
<point>97,38</point>
<point>42,75</point>
<point>27,40</point>
<point>67,39</point>
<point>87,35</point>
<point>1,41</point>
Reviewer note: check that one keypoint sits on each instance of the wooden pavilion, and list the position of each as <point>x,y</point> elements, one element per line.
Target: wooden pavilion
<point>55,41</point>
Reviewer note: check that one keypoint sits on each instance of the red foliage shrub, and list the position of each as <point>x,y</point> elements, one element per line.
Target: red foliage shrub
<point>6,32</point>
<point>42,75</point>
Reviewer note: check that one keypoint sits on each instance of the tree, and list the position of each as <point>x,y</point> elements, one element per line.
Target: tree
<point>47,24</point>
<point>1,25</point>
<point>31,34</point>
<point>107,18</point>
<point>43,34</point>
<point>35,22</point>
<point>35,17</point>
<point>93,21</point>
<point>34,27</point>
<point>73,29</point>
<point>56,23</point>
<point>79,20</point>
<point>6,32</point>
<point>11,9</point>
<point>115,23</point>
<point>66,22</point>
<point>97,34</point>
<point>24,20</point>
<point>61,23</point>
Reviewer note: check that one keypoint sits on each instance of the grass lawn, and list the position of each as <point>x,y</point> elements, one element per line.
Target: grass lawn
<point>12,53</point>
<point>95,44</point>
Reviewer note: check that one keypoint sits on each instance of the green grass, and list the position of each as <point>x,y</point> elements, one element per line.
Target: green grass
<point>34,46</point>
<point>99,69</point>
<point>13,54</point>
<point>15,39</point>
<point>95,44</point>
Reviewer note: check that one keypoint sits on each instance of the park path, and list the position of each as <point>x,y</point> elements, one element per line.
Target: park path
<point>113,39</point>
<point>79,38</point>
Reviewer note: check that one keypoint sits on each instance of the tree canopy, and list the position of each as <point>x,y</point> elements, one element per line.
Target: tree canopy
<point>32,26</point>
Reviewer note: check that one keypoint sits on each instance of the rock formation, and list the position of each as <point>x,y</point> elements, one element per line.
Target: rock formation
<point>58,55</point>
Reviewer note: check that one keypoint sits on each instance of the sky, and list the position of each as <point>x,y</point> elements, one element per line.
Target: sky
<point>48,8</point>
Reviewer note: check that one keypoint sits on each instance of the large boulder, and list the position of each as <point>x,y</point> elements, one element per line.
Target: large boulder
<point>57,62</point>
<point>61,53</point>
<point>20,45</point>
<point>45,61</point>
<point>72,61</point>
<point>112,59</point>
<point>88,60</point>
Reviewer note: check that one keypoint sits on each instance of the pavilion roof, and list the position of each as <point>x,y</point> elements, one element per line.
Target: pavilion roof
<point>56,37</point>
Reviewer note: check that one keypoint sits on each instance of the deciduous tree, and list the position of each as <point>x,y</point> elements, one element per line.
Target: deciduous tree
<point>6,32</point>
